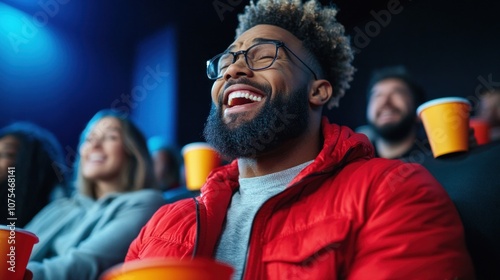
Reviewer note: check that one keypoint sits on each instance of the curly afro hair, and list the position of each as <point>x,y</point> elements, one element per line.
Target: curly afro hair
<point>318,29</point>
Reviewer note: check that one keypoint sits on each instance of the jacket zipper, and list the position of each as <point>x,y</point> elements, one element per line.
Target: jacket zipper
<point>319,173</point>
<point>197,235</point>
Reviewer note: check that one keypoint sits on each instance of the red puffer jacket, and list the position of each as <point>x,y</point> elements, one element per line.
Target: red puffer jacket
<point>345,216</point>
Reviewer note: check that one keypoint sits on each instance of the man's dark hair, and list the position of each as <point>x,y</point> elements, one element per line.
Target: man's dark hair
<point>488,90</point>
<point>400,73</point>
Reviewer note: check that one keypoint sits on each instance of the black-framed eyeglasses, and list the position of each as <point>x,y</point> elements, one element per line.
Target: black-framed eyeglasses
<point>257,57</point>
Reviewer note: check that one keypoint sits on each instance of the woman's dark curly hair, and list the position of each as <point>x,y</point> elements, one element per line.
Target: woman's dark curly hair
<point>317,28</point>
<point>39,169</point>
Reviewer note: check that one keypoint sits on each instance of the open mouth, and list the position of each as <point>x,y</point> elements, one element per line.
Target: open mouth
<point>96,158</point>
<point>238,98</point>
<point>388,115</point>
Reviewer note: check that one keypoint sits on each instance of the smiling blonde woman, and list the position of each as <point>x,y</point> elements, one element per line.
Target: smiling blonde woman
<point>82,236</point>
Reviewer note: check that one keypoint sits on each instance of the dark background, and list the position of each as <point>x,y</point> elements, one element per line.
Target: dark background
<point>451,48</point>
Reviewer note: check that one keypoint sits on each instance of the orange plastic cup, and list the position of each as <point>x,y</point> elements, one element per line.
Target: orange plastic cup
<point>446,122</point>
<point>15,250</point>
<point>199,160</point>
<point>481,130</point>
<point>197,269</point>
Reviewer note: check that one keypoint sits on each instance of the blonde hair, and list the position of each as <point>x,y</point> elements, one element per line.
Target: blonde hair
<point>317,28</point>
<point>138,171</point>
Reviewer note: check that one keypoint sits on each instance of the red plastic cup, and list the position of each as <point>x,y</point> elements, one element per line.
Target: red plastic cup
<point>15,249</point>
<point>481,130</point>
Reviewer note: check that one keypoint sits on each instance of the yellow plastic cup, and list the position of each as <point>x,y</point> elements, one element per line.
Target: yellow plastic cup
<point>199,160</point>
<point>196,269</point>
<point>15,249</point>
<point>446,122</point>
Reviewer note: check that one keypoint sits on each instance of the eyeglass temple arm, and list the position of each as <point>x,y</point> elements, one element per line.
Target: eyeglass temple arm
<point>296,56</point>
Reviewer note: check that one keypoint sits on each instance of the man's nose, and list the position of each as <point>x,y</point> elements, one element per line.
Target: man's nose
<point>238,68</point>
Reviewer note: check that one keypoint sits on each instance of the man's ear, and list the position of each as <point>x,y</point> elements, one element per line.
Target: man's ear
<point>320,92</point>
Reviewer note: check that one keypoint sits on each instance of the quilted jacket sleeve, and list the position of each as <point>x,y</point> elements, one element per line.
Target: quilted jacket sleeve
<point>169,233</point>
<point>412,230</point>
<point>139,242</point>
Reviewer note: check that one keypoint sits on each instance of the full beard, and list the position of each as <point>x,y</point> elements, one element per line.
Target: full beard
<point>396,131</point>
<point>279,120</point>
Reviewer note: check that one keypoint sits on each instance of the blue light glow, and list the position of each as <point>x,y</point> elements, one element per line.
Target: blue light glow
<point>154,92</point>
<point>32,56</point>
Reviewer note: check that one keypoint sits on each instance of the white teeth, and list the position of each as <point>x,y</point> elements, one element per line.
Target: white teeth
<point>96,157</point>
<point>242,94</point>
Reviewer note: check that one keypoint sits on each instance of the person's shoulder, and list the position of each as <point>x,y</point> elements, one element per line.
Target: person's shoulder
<point>395,176</point>
<point>148,196</point>
<point>388,164</point>
<point>55,211</point>
<point>146,193</point>
<point>63,202</point>
<point>392,171</point>
<point>168,215</point>
<point>377,165</point>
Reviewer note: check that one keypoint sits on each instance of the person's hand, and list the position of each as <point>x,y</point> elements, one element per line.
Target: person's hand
<point>472,139</point>
<point>28,275</point>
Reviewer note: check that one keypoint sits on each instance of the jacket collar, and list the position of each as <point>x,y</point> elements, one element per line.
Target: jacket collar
<point>340,144</point>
